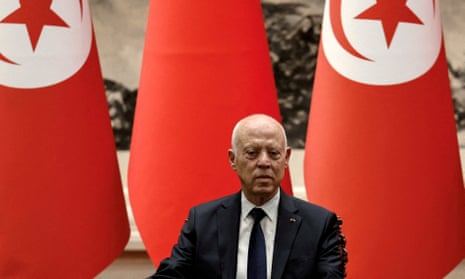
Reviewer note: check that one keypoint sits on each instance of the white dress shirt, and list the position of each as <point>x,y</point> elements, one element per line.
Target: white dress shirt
<point>268,224</point>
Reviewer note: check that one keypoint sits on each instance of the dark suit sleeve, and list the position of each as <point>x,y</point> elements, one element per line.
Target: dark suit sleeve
<point>179,264</point>
<point>333,256</point>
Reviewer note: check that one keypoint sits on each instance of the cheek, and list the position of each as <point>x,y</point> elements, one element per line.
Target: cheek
<point>280,167</point>
<point>246,164</point>
<point>240,167</point>
<point>245,170</point>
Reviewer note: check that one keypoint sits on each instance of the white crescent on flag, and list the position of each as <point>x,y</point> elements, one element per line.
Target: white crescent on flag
<point>43,42</point>
<point>381,48</point>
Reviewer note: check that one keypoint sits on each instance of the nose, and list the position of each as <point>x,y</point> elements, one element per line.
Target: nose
<point>263,160</point>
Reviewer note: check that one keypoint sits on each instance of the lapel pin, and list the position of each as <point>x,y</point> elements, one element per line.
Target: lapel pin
<point>292,219</point>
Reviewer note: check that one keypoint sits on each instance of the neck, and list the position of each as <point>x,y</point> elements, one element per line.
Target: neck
<point>259,200</point>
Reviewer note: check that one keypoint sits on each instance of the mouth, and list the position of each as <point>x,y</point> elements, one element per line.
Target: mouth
<point>262,177</point>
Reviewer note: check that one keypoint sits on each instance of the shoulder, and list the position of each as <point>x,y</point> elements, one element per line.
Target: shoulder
<point>204,217</point>
<point>312,215</point>
<point>214,205</point>
<point>296,204</point>
<point>307,206</point>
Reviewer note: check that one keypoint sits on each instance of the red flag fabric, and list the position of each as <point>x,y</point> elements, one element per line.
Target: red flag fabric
<point>205,66</point>
<point>62,211</point>
<point>381,145</point>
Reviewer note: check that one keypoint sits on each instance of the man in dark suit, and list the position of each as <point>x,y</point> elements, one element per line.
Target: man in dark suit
<point>291,239</point>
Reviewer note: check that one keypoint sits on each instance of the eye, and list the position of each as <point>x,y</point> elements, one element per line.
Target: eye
<point>250,153</point>
<point>274,154</point>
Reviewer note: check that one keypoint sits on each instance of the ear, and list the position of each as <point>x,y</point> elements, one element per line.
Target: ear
<point>232,158</point>
<point>288,156</point>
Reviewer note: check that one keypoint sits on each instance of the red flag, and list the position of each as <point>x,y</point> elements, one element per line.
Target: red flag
<point>205,66</point>
<point>381,146</point>
<point>62,212</point>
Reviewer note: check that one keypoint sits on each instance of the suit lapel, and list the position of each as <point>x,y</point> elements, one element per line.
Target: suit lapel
<point>288,225</point>
<point>228,235</point>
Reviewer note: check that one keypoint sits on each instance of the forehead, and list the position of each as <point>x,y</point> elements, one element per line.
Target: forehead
<point>260,133</point>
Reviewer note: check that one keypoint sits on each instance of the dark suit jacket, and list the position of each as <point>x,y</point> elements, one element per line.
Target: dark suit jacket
<point>307,242</point>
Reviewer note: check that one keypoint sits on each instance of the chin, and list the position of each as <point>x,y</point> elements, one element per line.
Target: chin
<point>265,189</point>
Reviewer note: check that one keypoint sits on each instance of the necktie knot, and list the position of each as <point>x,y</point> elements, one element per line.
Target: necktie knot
<point>257,214</point>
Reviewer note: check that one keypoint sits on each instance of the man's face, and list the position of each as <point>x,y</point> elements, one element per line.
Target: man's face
<point>260,159</point>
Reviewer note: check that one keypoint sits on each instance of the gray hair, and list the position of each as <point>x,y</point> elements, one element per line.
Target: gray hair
<point>239,123</point>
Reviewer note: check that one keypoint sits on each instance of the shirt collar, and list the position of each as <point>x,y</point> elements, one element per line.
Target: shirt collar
<point>270,207</point>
